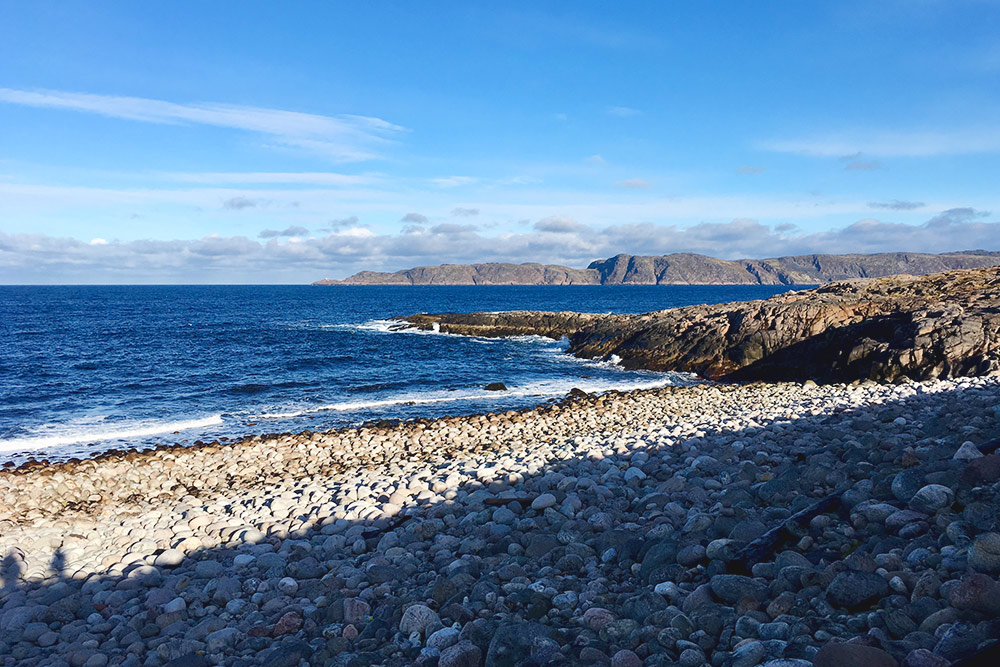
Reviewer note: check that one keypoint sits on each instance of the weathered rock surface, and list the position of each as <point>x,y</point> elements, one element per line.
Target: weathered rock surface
<point>939,326</point>
<point>682,269</point>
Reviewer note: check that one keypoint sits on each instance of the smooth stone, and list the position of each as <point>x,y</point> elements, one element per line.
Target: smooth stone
<point>625,658</point>
<point>417,618</point>
<point>543,501</point>
<point>854,589</point>
<point>243,560</point>
<point>175,606</point>
<point>967,452</point>
<point>443,638</point>
<point>356,610</point>
<point>222,640</point>
<point>169,558</point>
<point>931,498</point>
<point>288,586</point>
<point>731,588</point>
<point>462,654</point>
<point>984,554</point>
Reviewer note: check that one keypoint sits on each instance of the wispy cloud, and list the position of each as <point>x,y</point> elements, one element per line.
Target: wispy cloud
<point>266,178</point>
<point>623,112</point>
<point>415,218</point>
<point>633,184</point>
<point>340,223</point>
<point>341,138</point>
<point>452,181</point>
<point>896,205</point>
<point>748,170</point>
<point>240,203</point>
<point>460,212</point>
<point>914,143</point>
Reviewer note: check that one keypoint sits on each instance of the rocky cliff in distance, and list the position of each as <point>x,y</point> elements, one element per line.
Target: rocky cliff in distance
<point>938,326</point>
<point>475,274</point>
<point>683,269</point>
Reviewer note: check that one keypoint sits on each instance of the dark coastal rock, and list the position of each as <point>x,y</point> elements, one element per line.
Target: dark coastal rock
<point>496,386</point>
<point>939,326</point>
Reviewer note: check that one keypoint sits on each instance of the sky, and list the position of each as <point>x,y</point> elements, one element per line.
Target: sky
<point>262,142</point>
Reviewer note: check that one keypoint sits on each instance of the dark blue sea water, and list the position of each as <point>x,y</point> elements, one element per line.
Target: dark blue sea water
<point>85,369</point>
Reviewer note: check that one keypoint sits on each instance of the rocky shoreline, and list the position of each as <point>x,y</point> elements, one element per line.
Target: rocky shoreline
<point>736,525</point>
<point>938,326</point>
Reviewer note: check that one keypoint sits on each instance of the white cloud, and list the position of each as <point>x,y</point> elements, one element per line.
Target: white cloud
<point>41,258</point>
<point>341,138</point>
<point>461,212</point>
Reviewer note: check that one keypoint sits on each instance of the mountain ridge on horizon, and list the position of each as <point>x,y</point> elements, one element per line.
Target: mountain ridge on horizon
<point>682,269</point>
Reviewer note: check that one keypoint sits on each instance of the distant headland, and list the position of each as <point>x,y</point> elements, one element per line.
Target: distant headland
<point>683,269</point>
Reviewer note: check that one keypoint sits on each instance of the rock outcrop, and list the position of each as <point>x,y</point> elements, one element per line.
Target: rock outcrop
<point>938,326</point>
<point>683,269</point>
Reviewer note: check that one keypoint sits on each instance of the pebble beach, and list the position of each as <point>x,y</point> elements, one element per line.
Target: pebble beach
<point>779,524</point>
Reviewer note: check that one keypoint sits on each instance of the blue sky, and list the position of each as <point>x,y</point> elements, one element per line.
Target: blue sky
<point>267,142</point>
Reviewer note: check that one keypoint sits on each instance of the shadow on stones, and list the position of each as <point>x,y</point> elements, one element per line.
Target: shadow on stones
<point>516,581</point>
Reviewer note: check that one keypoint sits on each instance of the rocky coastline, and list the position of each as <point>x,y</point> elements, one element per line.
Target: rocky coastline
<point>783,524</point>
<point>938,326</point>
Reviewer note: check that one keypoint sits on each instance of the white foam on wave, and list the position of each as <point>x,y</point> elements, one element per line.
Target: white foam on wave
<point>392,326</point>
<point>97,430</point>
<point>540,389</point>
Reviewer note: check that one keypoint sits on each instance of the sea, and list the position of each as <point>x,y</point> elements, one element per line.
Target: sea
<point>84,369</point>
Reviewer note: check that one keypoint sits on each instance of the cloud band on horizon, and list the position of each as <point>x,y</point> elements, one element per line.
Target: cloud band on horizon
<point>33,257</point>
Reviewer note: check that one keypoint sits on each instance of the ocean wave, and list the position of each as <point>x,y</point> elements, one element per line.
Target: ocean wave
<point>95,430</point>
<point>391,326</point>
<point>539,389</point>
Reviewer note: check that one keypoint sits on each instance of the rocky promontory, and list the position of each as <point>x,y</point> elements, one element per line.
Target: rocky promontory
<point>938,326</point>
